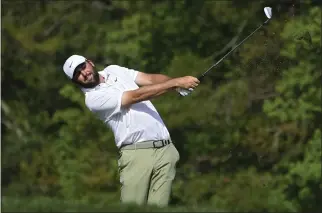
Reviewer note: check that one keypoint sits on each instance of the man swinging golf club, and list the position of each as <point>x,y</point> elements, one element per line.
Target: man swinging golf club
<point>120,97</point>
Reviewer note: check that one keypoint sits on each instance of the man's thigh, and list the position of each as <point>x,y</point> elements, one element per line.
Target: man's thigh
<point>135,168</point>
<point>164,173</point>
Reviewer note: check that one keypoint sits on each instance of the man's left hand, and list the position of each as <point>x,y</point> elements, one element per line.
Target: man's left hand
<point>184,92</point>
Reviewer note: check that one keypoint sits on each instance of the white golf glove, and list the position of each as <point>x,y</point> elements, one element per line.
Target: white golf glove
<point>184,92</point>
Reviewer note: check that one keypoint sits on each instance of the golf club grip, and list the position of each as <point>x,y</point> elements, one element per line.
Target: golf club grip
<point>201,77</point>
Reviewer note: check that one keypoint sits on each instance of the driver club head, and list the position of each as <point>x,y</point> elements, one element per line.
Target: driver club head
<point>268,12</point>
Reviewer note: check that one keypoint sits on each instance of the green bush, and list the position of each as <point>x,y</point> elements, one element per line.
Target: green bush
<point>45,204</point>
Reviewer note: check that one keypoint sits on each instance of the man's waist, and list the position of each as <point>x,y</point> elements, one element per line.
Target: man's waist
<point>149,144</point>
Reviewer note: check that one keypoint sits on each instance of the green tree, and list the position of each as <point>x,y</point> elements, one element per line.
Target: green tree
<point>300,103</point>
<point>254,119</point>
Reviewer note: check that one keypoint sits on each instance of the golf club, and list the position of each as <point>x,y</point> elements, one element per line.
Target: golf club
<point>268,13</point>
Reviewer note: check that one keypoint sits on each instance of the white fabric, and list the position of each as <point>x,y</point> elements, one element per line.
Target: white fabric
<point>184,92</point>
<point>71,63</point>
<point>140,122</point>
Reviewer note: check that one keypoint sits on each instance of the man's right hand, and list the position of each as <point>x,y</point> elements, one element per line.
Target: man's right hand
<point>186,82</point>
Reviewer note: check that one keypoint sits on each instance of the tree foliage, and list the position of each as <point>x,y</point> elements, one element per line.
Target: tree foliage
<point>248,136</point>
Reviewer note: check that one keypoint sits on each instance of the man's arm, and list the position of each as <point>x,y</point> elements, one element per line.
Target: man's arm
<point>145,79</point>
<point>154,90</point>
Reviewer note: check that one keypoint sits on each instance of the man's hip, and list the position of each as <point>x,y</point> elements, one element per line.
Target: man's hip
<point>147,144</point>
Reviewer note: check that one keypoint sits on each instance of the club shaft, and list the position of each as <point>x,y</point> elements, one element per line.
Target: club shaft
<point>214,65</point>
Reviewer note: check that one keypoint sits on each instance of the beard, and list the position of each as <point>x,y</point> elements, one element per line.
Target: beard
<point>95,81</point>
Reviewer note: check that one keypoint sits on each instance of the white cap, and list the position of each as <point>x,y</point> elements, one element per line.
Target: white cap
<point>71,63</point>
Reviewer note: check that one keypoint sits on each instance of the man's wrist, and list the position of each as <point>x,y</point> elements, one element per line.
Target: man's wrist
<point>173,83</point>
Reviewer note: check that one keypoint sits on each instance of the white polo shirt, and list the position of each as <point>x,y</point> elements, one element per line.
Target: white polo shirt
<point>140,122</point>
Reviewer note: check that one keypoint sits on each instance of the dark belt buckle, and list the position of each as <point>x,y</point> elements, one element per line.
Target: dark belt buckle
<point>162,144</point>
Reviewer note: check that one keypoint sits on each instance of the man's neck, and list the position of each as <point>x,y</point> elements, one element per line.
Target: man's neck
<point>102,79</point>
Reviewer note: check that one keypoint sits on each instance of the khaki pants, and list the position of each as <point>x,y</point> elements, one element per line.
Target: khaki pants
<point>146,175</point>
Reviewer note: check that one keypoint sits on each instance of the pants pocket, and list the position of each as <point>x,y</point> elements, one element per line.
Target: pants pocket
<point>176,154</point>
<point>124,160</point>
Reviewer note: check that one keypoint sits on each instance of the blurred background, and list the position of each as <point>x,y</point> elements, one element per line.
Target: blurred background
<point>249,136</point>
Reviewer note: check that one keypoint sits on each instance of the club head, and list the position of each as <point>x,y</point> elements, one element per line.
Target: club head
<point>268,12</point>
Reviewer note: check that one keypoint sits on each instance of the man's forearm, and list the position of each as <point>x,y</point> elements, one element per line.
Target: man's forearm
<point>144,79</point>
<point>159,78</point>
<point>147,92</point>
<point>154,90</point>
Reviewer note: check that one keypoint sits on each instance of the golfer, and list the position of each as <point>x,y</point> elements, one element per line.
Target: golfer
<point>120,98</point>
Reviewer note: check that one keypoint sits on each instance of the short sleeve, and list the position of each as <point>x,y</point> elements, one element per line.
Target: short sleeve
<point>105,103</point>
<point>129,73</point>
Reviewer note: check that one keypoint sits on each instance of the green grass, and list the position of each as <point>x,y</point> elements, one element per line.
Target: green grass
<point>45,204</point>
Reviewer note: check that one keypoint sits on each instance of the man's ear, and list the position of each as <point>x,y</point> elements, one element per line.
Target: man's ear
<point>91,63</point>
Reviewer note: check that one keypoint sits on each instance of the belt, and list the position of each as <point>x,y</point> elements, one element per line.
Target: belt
<point>146,145</point>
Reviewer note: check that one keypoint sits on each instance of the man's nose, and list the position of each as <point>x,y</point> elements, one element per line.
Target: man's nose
<point>84,72</point>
